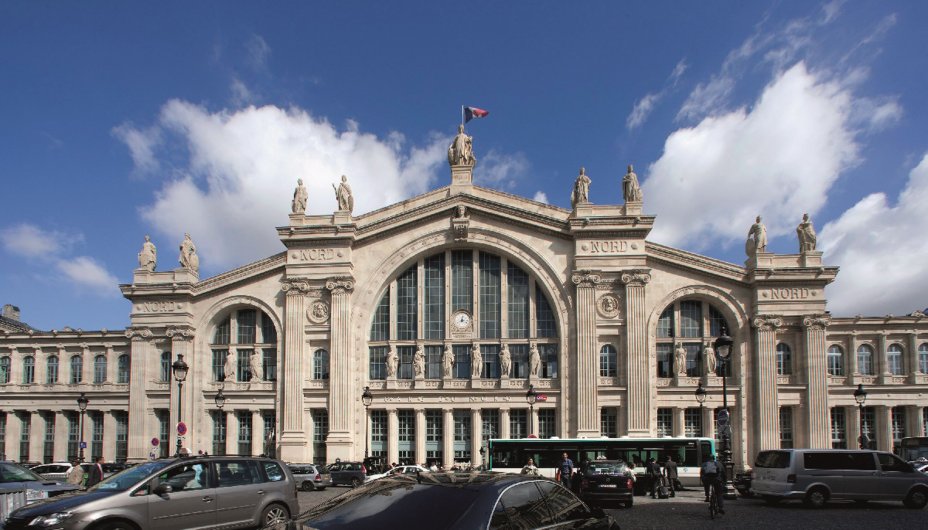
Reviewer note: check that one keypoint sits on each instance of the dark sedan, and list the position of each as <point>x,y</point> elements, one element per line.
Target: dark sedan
<point>455,501</point>
<point>606,481</point>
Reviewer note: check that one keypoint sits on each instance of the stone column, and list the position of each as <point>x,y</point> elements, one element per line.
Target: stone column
<point>109,436</point>
<point>10,449</point>
<point>16,367</point>
<point>535,428</point>
<point>766,408</point>
<point>36,436</point>
<point>852,368</point>
<point>292,439</point>
<point>232,432</point>
<point>343,403</point>
<point>911,357</point>
<point>447,438</point>
<point>257,432</point>
<point>851,425</point>
<point>884,428</point>
<point>586,372</point>
<point>41,366</point>
<point>708,422</point>
<point>61,436</point>
<point>914,422</point>
<point>181,338</point>
<point>393,436</point>
<point>882,366</point>
<point>679,421</point>
<point>420,436</point>
<point>476,437</point>
<point>638,403</point>
<point>504,432</point>
<point>816,365</point>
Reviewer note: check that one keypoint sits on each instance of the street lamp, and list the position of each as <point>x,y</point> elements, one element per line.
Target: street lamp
<point>366,399</point>
<point>860,396</point>
<point>180,373</point>
<point>723,346</point>
<point>531,396</point>
<point>82,403</point>
<point>701,398</point>
<point>220,400</point>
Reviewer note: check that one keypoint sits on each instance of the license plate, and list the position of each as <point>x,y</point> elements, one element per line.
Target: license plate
<point>608,486</point>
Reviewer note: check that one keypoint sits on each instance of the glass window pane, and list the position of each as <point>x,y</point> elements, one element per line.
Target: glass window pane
<point>544,315</point>
<point>406,305</point>
<point>247,330</point>
<point>462,280</point>
<point>380,325</point>
<point>690,319</point>
<point>490,291</point>
<point>518,283</point>
<point>434,305</point>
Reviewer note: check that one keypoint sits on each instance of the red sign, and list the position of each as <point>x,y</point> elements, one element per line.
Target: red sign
<point>541,397</point>
<point>155,442</point>
<point>181,428</point>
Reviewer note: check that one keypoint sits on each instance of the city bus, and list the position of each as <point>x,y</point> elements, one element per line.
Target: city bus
<point>508,456</point>
<point>912,448</point>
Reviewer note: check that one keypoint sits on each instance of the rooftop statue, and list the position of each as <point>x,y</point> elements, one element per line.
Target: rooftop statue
<point>630,188</point>
<point>188,255</point>
<point>300,196</point>
<point>461,150</point>
<point>806,233</point>
<point>581,193</point>
<point>343,196</point>
<point>148,257</point>
<point>757,239</point>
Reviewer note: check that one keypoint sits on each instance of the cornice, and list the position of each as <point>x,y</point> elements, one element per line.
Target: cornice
<point>252,269</point>
<point>690,260</point>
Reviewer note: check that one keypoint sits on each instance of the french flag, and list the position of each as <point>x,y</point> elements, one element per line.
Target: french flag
<point>473,112</point>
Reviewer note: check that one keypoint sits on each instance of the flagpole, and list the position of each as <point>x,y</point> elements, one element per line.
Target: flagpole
<point>462,114</point>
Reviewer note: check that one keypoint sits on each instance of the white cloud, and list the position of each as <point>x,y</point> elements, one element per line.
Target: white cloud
<point>500,170</point>
<point>540,196</point>
<point>642,110</point>
<point>257,52</point>
<point>780,157</point>
<point>882,252</point>
<point>84,271</point>
<point>241,94</point>
<point>29,241</point>
<point>141,144</point>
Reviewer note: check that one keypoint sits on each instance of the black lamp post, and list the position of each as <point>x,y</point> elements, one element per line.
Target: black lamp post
<point>860,396</point>
<point>723,346</point>
<point>220,401</point>
<point>487,435</point>
<point>531,396</point>
<point>180,373</point>
<point>82,403</point>
<point>701,398</point>
<point>366,399</point>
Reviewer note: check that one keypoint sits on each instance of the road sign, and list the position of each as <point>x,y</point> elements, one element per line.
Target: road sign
<point>83,445</point>
<point>541,398</point>
<point>181,428</point>
<point>155,442</point>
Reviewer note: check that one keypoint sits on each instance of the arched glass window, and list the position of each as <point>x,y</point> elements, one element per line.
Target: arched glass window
<point>475,322</point>
<point>784,359</point>
<point>692,324</point>
<point>51,370</point>
<point>923,359</point>
<point>244,347</point>
<point>99,369</point>
<point>607,361</point>
<point>835,360</point>
<point>122,369</point>
<point>77,369</point>
<point>865,359</point>
<point>320,364</point>
<point>165,367</point>
<point>894,359</point>
<point>28,370</point>
<point>4,370</point>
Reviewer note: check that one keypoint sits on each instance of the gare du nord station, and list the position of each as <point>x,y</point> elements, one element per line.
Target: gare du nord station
<point>447,308</point>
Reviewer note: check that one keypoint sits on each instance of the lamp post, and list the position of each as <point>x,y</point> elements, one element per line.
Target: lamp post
<point>860,396</point>
<point>82,403</point>
<point>180,373</point>
<point>487,435</point>
<point>366,399</point>
<point>531,396</point>
<point>723,346</point>
<point>220,401</point>
<point>701,398</point>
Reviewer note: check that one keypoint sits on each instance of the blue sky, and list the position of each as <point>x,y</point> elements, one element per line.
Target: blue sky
<point>120,119</point>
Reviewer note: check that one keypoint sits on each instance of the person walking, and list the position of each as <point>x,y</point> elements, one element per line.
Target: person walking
<point>653,472</point>
<point>566,470</point>
<point>670,473</point>
<point>96,472</point>
<point>75,474</point>
<point>529,468</point>
<point>713,474</point>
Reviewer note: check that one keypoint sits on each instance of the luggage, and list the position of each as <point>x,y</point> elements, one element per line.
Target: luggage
<point>662,491</point>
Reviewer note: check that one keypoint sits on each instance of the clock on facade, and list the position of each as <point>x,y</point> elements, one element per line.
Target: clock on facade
<point>461,320</point>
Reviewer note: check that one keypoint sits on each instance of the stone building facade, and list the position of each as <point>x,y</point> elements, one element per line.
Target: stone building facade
<point>448,306</point>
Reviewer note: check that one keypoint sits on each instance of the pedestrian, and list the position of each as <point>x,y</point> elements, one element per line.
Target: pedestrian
<point>670,473</point>
<point>96,472</point>
<point>565,470</point>
<point>76,473</point>
<point>529,468</point>
<point>653,471</point>
<point>712,473</point>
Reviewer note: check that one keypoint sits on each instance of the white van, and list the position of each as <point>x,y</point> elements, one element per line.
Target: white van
<point>819,475</point>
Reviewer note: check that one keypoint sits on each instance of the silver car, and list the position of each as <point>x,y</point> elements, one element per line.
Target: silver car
<point>310,477</point>
<point>199,492</point>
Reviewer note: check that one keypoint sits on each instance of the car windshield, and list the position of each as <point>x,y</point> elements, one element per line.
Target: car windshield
<point>14,473</point>
<point>130,477</point>
<point>607,468</point>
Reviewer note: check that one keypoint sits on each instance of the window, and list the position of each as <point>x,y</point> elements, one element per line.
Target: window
<point>544,315</point>
<point>692,422</point>
<point>96,434</point>
<point>219,364</point>
<point>77,367</point>
<point>664,422</point>
<point>433,362</point>
<point>378,362</point>
<point>490,293</point>
<point>219,432</point>
<point>868,427</point>
<point>247,329</point>
<point>607,361</point>
<point>461,435</point>
<point>406,306</point>
<point>254,355</point>
<point>461,368</point>
<point>898,423</point>
<point>28,370</point>
<point>786,428</point>
<point>894,359</point>
<point>379,432</point>
<point>434,292</point>
<point>99,369</point>
<point>320,364</point>
<point>434,434</point>
<point>693,359</point>
<point>243,368</point>
<point>665,360</point>
<point>784,359</point>
<point>518,423</point>
<point>122,369</point>
<point>320,433</point>
<point>608,422</point>
<point>4,370</point>
<point>269,364</point>
<point>838,429</point>
<point>697,321</point>
<point>166,367</point>
<point>122,434</point>
<point>406,442</point>
<point>25,420</point>
<point>865,359</point>
<point>520,367</point>
<point>51,371</point>
<point>462,280</point>
<point>835,361</point>
<point>164,433</point>
<point>3,416</point>
<point>546,424</point>
<point>923,359</point>
<point>491,423</point>
<point>48,445</point>
<point>517,302</point>
<point>665,324</point>
<point>74,434</point>
<point>244,431</point>
<point>548,354</point>
<point>380,324</point>
<point>490,353</point>
<point>270,430</point>
<point>690,319</point>
<point>405,356</point>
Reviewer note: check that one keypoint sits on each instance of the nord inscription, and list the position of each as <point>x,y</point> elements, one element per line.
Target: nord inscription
<point>608,247</point>
<point>789,293</point>
<point>316,254</point>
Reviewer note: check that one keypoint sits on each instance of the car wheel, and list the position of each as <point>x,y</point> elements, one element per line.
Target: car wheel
<point>307,485</point>
<point>917,499</point>
<point>355,482</point>
<point>274,514</point>
<point>816,498</point>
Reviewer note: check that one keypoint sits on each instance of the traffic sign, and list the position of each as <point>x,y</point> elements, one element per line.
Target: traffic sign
<point>723,417</point>
<point>83,445</point>
<point>181,428</point>
<point>541,397</point>
<point>155,442</point>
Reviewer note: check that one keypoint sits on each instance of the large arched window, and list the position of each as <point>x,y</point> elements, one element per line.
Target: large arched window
<point>607,361</point>
<point>29,370</point>
<point>77,369</point>
<point>122,369</point>
<point>784,359</point>
<point>894,359</point>
<point>835,360</point>
<point>244,347</point>
<point>476,302</point>
<point>4,370</point>
<point>692,324</point>
<point>51,370</point>
<point>99,369</point>
<point>320,364</point>
<point>865,359</point>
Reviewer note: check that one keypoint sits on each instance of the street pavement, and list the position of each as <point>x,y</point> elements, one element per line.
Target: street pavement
<point>688,511</point>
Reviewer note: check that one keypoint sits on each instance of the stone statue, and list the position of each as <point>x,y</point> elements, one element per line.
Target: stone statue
<point>757,239</point>
<point>679,360</point>
<point>630,188</point>
<point>300,196</point>
<point>534,360</point>
<point>228,368</point>
<point>806,233</point>
<point>505,361</point>
<point>194,261</point>
<point>581,193</point>
<point>461,150</point>
<point>711,359</point>
<point>476,362</point>
<point>392,361</point>
<point>447,360</point>
<point>343,196</point>
<point>418,362</point>
<point>255,365</point>
<point>188,249</point>
<point>148,257</point>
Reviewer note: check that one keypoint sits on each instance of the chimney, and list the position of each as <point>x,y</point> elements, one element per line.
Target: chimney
<point>11,312</point>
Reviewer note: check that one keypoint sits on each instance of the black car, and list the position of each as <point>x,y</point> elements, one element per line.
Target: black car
<point>604,482</point>
<point>454,501</point>
<point>347,473</point>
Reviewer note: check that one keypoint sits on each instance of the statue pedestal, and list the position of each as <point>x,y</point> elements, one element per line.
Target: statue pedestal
<point>341,217</point>
<point>391,383</point>
<point>462,178</point>
<point>811,258</point>
<point>633,208</point>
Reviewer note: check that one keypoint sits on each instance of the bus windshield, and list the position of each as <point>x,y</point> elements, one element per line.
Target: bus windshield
<point>912,448</point>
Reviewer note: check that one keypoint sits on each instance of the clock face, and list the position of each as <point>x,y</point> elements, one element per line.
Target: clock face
<point>461,320</point>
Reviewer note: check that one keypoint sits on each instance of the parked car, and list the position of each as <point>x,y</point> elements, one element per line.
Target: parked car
<point>454,501</point>
<point>819,475</point>
<point>604,482</point>
<point>399,470</point>
<point>347,473</point>
<point>15,477</point>
<point>199,492</point>
<point>310,477</point>
<point>54,471</point>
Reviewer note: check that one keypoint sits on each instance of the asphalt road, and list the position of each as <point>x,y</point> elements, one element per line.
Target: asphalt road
<point>688,511</point>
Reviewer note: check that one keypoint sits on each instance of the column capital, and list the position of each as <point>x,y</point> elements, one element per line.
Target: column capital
<point>636,277</point>
<point>340,284</point>
<point>296,285</point>
<point>180,332</point>
<point>767,322</point>
<point>816,322</point>
<point>139,333</point>
<point>585,278</point>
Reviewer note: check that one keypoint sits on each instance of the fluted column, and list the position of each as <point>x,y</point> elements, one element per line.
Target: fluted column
<point>36,436</point>
<point>447,438</point>
<point>884,427</point>
<point>109,435</point>
<point>586,371</point>
<point>344,400</point>
<point>393,436</point>
<point>911,357</point>
<point>638,404</point>
<point>257,432</point>
<point>420,436</point>
<point>882,364</point>
<point>61,436</point>
<point>816,360</point>
<point>292,440</point>
<point>679,421</point>
<point>476,429</point>
<point>14,432</point>
<point>766,409</point>
<point>504,432</point>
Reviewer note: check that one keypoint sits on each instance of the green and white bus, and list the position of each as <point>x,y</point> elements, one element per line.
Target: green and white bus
<point>508,456</point>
